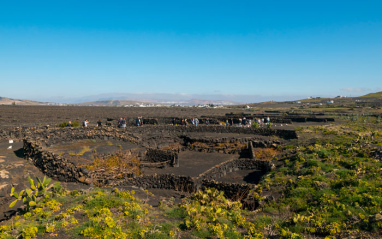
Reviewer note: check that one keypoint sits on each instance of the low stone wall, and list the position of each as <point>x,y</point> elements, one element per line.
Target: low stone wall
<point>281,120</point>
<point>309,119</point>
<point>233,191</point>
<point>215,145</point>
<point>171,121</point>
<point>158,155</point>
<point>188,139</point>
<point>149,121</point>
<point>232,165</point>
<point>7,133</point>
<point>161,156</point>
<point>163,181</point>
<point>55,135</point>
<point>54,165</point>
<point>260,144</point>
<point>49,136</point>
<point>282,133</point>
<point>52,135</point>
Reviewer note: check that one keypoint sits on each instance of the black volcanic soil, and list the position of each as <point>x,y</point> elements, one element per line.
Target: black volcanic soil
<point>52,115</point>
<point>243,176</point>
<point>14,171</point>
<point>87,148</point>
<point>193,163</point>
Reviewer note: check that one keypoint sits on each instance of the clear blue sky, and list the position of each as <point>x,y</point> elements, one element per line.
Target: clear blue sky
<point>268,49</point>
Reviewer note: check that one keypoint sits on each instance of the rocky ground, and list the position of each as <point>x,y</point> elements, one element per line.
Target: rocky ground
<point>192,147</point>
<point>15,169</point>
<point>52,115</point>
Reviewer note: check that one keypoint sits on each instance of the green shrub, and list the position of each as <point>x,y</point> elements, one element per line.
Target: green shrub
<point>105,201</point>
<point>74,124</point>
<point>176,213</point>
<point>255,125</point>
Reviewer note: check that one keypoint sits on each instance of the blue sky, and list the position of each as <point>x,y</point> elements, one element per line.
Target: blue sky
<point>250,50</point>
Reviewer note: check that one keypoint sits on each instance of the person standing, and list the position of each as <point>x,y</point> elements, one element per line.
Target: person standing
<point>99,123</point>
<point>123,123</point>
<point>141,120</point>
<point>137,121</point>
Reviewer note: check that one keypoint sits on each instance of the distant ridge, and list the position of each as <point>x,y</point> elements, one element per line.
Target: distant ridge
<point>377,96</point>
<point>373,95</point>
<point>10,101</point>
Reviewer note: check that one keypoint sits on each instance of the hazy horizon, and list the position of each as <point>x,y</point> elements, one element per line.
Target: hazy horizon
<point>177,98</point>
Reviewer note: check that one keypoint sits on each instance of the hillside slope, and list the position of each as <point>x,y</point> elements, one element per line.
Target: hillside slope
<point>10,101</point>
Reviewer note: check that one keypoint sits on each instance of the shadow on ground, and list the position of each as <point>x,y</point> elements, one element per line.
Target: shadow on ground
<point>253,177</point>
<point>19,153</point>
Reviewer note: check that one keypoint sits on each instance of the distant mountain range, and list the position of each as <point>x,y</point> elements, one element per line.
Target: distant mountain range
<point>156,101</point>
<point>115,103</point>
<point>142,103</point>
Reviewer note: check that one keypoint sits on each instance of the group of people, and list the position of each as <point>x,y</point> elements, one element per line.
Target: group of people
<point>247,122</point>
<point>194,121</point>
<point>122,122</point>
<point>262,121</point>
<point>241,122</point>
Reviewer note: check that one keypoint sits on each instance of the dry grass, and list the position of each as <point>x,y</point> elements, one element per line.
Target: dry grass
<point>265,153</point>
<point>117,163</point>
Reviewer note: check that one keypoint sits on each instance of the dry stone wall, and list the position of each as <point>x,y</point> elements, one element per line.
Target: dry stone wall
<point>162,156</point>
<point>50,136</point>
<point>163,181</point>
<point>54,165</point>
<point>53,134</point>
<point>233,191</point>
<point>282,133</point>
<point>232,165</point>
